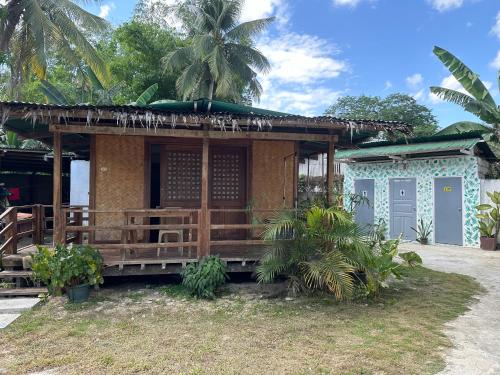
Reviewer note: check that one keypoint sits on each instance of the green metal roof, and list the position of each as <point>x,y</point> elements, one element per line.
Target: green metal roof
<point>405,149</point>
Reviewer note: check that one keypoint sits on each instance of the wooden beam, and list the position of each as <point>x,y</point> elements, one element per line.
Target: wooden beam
<point>57,189</point>
<point>204,217</point>
<point>186,133</point>
<point>331,172</point>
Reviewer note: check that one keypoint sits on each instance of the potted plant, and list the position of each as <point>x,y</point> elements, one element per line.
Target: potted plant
<point>423,231</point>
<point>71,269</point>
<point>489,221</point>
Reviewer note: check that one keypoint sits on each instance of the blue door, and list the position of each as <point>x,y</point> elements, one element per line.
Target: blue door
<point>364,213</point>
<point>403,207</point>
<point>448,210</point>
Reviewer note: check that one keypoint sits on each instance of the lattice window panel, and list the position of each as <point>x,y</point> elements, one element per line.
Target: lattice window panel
<point>183,176</point>
<point>226,177</point>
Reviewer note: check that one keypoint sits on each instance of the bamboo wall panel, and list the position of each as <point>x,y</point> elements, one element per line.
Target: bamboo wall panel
<point>270,178</point>
<point>119,179</point>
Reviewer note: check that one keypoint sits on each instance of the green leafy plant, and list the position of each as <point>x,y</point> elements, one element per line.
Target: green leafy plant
<point>423,231</point>
<point>477,99</point>
<point>203,278</point>
<point>489,216</point>
<point>381,264</point>
<point>323,249</point>
<point>66,267</point>
<point>316,249</point>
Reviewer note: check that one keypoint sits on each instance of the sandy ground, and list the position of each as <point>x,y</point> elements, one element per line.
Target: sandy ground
<point>476,334</point>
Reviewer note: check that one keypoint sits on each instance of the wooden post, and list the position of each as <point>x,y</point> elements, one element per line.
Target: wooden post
<point>57,189</point>
<point>331,172</point>
<point>36,225</point>
<point>13,231</point>
<point>204,225</point>
<point>296,166</point>
<point>78,218</point>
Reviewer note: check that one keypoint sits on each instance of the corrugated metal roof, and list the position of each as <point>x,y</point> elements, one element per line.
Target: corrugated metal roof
<point>415,148</point>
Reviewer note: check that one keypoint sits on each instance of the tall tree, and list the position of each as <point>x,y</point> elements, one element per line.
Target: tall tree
<point>31,29</point>
<point>133,52</point>
<point>477,100</point>
<point>221,60</point>
<point>395,107</point>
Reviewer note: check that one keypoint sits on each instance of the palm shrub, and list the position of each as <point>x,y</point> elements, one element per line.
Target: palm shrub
<point>318,249</point>
<point>202,279</point>
<point>324,249</point>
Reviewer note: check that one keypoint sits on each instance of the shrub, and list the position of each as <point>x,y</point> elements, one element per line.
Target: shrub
<point>324,249</point>
<point>65,267</point>
<point>203,278</point>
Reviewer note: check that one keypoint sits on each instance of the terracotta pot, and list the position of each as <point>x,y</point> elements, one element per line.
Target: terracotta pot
<point>488,243</point>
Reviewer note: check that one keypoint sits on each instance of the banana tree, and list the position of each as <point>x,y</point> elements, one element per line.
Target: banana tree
<point>478,99</point>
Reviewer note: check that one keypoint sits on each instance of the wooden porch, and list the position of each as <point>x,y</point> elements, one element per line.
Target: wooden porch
<point>135,247</point>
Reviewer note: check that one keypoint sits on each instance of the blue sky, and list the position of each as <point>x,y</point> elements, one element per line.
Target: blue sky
<point>323,49</point>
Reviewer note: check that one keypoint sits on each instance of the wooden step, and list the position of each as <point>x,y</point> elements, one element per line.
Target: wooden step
<point>14,274</point>
<point>13,292</point>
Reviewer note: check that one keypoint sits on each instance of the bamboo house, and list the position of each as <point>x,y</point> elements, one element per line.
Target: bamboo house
<point>173,181</point>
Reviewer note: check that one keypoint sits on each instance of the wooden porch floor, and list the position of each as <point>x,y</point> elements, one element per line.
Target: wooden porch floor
<point>147,261</point>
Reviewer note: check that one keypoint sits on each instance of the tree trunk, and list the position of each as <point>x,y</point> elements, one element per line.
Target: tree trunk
<point>211,89</point>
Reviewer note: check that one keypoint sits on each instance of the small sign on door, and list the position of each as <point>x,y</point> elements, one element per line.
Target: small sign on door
<point>447,189</point>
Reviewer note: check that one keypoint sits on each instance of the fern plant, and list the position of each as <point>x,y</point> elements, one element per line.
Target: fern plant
<point>202,279</point>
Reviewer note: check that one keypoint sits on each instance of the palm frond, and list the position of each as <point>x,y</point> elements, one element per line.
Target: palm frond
<point>249,29</point>
<point>54,96</point>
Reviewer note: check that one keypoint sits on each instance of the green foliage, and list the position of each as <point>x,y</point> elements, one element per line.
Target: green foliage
<point>423,231</point>
<point>478,100</point>
<point>133,52</point>
<point>221,61</point>
<point>395,107</point>
<point>65,267</point>
<point>489,216</point>
<point>202,279</point>
<point>34,28</point>
<point>324,249</point>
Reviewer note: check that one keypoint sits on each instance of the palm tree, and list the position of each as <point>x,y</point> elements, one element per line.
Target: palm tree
<point>221,59</point>
<point>478,101</point>
<point>30,29</point>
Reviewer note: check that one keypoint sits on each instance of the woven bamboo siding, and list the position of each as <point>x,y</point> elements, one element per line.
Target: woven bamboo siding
<point>268,174</point>
<point>119,178</point>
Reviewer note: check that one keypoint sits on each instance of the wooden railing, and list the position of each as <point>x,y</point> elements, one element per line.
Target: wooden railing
<point>132,234</point>
<point>135,231</point>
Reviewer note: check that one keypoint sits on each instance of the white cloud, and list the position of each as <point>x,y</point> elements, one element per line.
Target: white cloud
<point>419,95</point>
<point>496,61</point>
<point>253,10</point>
<point>303,59</point>
<point>302,67</point>
<point>349,3</point>
<point>387,85</point>
<point>469,24</point>
<point>414,80</point>
<point>444,5</point>
<point>105,9</point>
<point>495,30</point>
<point>451,83</point>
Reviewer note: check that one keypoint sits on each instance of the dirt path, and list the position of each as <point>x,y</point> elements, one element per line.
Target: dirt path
<point>476,334</point>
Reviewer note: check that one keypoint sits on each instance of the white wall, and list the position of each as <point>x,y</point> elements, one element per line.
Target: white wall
<point>488,186</point>
<point>79,188</point>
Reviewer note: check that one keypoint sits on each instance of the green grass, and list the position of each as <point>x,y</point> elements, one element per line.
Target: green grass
<point>163,330</point>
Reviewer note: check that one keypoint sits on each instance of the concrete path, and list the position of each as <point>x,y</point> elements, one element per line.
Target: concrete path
<point>476,334</point>
<point>11,309</point>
